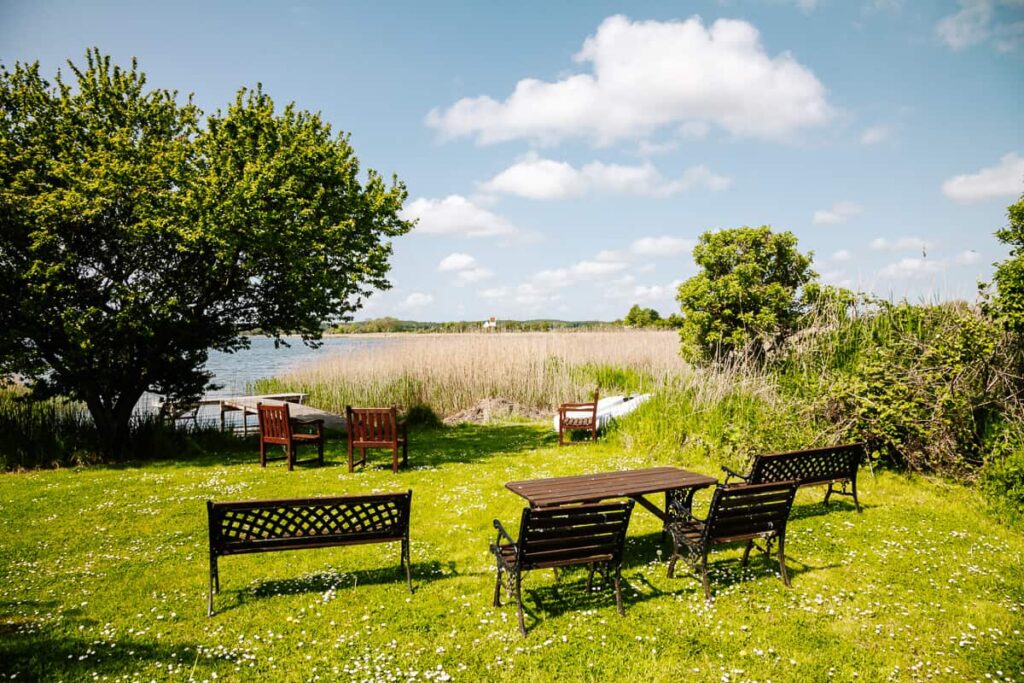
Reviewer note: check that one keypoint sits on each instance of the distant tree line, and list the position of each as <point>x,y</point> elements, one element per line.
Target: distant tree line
<point>394,325</point>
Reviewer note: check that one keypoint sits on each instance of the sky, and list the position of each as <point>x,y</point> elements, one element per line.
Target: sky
<point>562,158</point>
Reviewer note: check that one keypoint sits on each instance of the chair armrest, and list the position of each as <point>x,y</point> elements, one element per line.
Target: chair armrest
<point>732,473</point>
<point>502,533</point>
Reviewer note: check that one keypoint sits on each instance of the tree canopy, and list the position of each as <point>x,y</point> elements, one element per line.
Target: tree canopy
<point>747,293</point>
<point>1008,305</point>
<point>135,236</point>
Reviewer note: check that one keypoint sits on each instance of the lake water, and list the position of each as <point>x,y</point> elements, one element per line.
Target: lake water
<point>235,372</point>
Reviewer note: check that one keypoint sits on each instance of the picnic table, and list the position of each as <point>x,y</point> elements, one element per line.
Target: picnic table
<point>678,485</point>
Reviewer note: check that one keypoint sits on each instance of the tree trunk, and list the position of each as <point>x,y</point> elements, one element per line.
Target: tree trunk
<point>112,417</point>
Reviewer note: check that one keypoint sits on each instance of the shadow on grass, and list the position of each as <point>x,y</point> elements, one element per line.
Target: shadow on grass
<point>36,650</point>
<point>322,582</point>
<point>819,509</point>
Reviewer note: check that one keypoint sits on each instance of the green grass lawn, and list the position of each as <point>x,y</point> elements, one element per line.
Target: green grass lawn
<point>103,575</point>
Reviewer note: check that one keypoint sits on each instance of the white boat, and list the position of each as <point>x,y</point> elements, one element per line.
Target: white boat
<point>608,409</point>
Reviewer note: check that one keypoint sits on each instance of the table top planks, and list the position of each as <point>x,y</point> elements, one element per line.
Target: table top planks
<point>588,488</point>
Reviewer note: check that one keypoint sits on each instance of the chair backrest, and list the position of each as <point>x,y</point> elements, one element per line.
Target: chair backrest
<point>579,410</point>
<point>748,511</point>
<point>372,426</point>
<point>577,534</point>
<point>808,466</point>
<point>275,422</point>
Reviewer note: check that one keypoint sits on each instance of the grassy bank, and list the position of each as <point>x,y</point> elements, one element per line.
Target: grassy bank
<point>103,574</point>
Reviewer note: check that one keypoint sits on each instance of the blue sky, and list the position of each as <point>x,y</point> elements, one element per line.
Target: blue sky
<point>563,157</point>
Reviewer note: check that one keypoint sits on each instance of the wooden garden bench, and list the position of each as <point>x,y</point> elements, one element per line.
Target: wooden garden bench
<point>831,465</point>
<point>258,526</point>
<point>376,428</point>
<point>592,534</point>
<point>277,428</point>
<point>737,513</point>
<point>577,417</point>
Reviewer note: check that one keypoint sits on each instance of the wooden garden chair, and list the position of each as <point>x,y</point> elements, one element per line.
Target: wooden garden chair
<point>577,417</point>
<point>376,428</point>
<point>277,428</point>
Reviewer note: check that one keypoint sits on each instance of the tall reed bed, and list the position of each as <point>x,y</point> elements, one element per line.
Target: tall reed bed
<point>448,373</point>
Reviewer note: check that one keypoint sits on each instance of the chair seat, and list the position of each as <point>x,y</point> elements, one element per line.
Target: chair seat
<point>297,436</point>
<point>582,423</point>
<point>688,531</point>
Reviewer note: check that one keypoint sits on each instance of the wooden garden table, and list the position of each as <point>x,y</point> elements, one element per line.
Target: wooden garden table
<point>678,484</point>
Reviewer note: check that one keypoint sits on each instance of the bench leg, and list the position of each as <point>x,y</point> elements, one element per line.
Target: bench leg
<point>853,489</point>
<point>497,585</point>
<point>828,493</point>
<point>618,590</point>
<point>590,578</point>
<point>519,602</point>
<point>746,553</point>
<point>214,584</point>
<point>782,561</point>
<point>406,562</point>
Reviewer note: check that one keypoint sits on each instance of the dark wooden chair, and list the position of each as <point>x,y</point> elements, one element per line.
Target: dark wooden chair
<point>277,428</point>
<point>583,417</point>
<point>738,513</point>
<point>592,534</point>
<point>830,465</point>
<point>376,428</point>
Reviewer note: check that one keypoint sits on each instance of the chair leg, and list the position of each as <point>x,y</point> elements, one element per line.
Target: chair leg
<point>350,463</point>
<point>561,435</point>
<point>704,575</point>
<point>519,602</point>
<point>746,553</point>
<point>618,590</point>
<point>594,434</point>
<point>497,584</point>
<point>405,451</point>
<point>263,453</point>
<point>290,455</point>
<point>394,458</point>
<point>362,456</point>
<point>782,561</point>
<point>214,584</point>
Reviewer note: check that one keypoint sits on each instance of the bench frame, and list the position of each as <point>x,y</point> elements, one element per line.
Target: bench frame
<point>830,465</point>
<point>256,526</point>
<point>593,534</point>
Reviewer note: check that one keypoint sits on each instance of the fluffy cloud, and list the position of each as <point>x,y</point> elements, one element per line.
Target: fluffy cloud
<point>648,247</point>
<point>416,300</point>
<point>898,244</point>
<point>647,75</point>
<point>875,135</point>
<point>537,178</point>
<point>1005,179</point>
<point>582,271</point>
<point>839,213</point>
<point>979,21</point>
<point>842,255</point>
<point>456,261</point>
<point>913,268</point>
<point>473,275</point>
<point>455,215</point>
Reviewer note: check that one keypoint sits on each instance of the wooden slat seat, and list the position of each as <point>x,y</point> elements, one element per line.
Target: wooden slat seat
<point>278,428</point>
<point>815,466</point>
<point>376,428</point>
<point>738,513</point>
<point>550,538</point>
<point>257,526</point>
<point>583,418</point>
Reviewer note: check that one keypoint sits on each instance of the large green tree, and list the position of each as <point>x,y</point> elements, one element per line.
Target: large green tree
<point>135,236</point>
<point>746,295</point>
<point>1008,304</point>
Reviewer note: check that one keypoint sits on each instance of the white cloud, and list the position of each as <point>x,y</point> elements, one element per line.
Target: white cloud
<point>647,75</point>
<point>874,135</point>
<point>416,300</point>
<point>1005,179</point>
<point>455,215</point>
<point>472,275</point>
<point>456,261</point>
<point>645,148</point>
<point>967,258</point>
<point>979,21</point>
<point>898,244</point>
<point>913,268</point>
<point>536,178</point>
<point>526,294</point>
<point>582,271</point>
<point>694,130</point>
<point>648,247</point>
<point>839,213</point>
<point>842,255</point>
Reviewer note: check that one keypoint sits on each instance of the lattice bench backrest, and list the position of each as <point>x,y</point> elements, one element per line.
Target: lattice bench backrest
<point>815,465</point>
<point>257,525</point>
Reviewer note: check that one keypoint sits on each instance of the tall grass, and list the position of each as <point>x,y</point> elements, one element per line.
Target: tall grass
<point>448,373</point>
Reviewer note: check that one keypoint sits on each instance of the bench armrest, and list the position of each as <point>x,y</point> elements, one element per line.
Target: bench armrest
<point>502,533</point>
<point>730,473</point>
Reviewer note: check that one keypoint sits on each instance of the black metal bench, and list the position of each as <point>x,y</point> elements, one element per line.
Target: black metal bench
<point>831,465</point>
<point>592,534</point>
<point>738,513</point>
<point>258,526</point>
